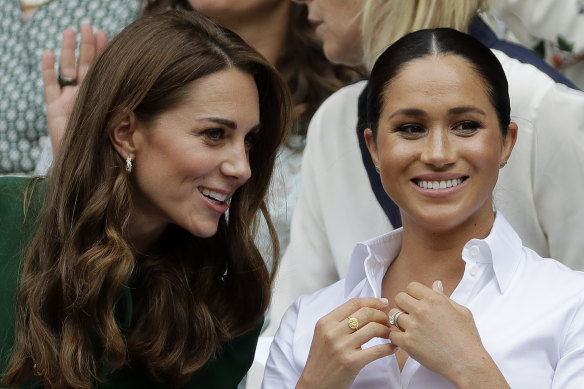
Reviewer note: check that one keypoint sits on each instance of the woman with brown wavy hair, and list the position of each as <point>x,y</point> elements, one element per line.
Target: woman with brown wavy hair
<point>281,32</point>
<point>134,274</point>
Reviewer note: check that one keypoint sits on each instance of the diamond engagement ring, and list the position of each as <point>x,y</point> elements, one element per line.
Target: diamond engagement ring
<point>393,319</point>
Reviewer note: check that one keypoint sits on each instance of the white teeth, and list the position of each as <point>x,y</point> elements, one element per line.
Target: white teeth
<point>215,197</point>
<point>439,184</point>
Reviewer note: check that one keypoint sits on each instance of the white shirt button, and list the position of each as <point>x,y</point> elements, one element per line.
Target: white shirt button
<point>474,251</point>
<point>473,270</point>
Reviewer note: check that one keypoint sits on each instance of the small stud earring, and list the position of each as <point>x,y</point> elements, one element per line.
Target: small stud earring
<point>129,164</point>
<point>377,169</point>
<point>502,164</point>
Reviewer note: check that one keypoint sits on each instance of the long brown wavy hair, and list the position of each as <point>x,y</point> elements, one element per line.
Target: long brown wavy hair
<point>310,76</point>
<point>80,262</point>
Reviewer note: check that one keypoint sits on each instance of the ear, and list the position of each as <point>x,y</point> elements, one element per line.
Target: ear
<point>371,145</point>
<point>123,136</point>
<point>509,142</point>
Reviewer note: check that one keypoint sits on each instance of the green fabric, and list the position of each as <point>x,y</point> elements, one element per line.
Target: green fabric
<point>14,236</point>
<point>223,372</point>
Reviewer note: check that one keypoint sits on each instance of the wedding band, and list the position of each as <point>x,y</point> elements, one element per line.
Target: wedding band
<point>66,81</point>
<point>393,319</point>
<point>354,323</point>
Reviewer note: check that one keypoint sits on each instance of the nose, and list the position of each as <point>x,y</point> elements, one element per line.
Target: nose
<point>438,150</point>
<point>236,163</point>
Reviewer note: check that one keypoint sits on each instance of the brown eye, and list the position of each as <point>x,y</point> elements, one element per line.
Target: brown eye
<point>467,127</point>
<point>213,134</point>
<point>411,130</point>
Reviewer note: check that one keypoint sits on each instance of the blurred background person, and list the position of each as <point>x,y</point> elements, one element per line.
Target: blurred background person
<point>553,28</point>
<point>27,27</point>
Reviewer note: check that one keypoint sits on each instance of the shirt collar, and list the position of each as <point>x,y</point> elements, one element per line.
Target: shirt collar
<point>502,248</point>
<point>371,259</point>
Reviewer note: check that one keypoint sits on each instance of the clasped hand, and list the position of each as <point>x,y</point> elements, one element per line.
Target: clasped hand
<point>433,329</point>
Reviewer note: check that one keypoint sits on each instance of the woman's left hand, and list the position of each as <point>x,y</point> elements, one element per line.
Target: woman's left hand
<point>61,89</point>
<point>441,335</point>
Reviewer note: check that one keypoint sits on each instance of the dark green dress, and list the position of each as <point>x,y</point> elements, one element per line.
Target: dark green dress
<point>224,371</point>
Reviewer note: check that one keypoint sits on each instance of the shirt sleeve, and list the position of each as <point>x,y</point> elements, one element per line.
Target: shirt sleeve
<point>547,19</point>
<point>280,372</point>
<point>569,373</point>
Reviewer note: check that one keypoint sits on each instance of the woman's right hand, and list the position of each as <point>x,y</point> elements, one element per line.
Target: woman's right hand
<point>59,98</point>
<point>336,356</point>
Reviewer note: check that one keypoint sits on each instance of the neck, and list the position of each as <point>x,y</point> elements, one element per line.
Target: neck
<point>428,254</point>
<point>264,31</point>
<point>144,231</point>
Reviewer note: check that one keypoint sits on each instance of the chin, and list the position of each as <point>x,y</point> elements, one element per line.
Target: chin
<point>203,231</point>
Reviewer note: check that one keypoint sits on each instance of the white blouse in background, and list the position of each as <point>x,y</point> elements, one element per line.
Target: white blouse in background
<point>529,312</point>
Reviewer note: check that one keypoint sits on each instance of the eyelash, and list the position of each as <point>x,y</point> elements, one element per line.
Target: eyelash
<point>466,127</point>
<point>471,126</point>
<point>215,135</point>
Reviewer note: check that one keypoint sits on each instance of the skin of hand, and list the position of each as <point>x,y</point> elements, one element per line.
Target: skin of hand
<point>441,335</point>
<point>59,99</point>
<point>336,356</point>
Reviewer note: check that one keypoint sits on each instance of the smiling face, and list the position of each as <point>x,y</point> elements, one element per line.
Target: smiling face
<point>192,158</point>
<point>338,24</point>
<point>439,143</point>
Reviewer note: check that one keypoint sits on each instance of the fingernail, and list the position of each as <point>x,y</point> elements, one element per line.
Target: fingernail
<point>384,300</point>
<point>439,285</point>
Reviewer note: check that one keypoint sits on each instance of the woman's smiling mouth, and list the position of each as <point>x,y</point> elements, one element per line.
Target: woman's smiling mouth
<point>441,184</point>
<point>213,196</point>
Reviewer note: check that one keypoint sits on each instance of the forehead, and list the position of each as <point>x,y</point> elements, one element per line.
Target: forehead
<point>437,79</point>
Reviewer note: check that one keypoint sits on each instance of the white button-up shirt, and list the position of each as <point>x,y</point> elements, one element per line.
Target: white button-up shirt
<point>529,312</point>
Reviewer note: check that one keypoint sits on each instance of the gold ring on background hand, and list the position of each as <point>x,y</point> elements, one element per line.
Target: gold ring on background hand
<point>354,323</point>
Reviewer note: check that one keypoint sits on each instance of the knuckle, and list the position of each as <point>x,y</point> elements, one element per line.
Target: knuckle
<point>322,325</point>
<point>355,304</point>
<point>436,299</point>
<point>400,296</point>
<point>467,313</point>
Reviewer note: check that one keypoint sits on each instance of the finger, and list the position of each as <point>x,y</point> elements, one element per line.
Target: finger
<point>399,319</point>
<point>87,50</point>
<point>437,286</point>
<point>397,338</point>
<point>101,40</point>
<point>350,307</point>
<point>52,87</point>
<point>406,302</point>
<point>368,332</point>
<point>418,290</point>
<point>67,59</point>
<point>364,316</point>
<point>373,353</point>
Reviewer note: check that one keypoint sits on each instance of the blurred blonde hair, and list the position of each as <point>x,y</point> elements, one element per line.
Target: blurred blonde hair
<point>385,21</point>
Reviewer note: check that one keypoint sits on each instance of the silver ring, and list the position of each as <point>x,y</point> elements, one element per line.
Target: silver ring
<point>66,81</point>
<point>393,319</point>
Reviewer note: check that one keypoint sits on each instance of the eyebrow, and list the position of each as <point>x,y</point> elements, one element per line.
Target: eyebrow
<point>229,123</point>
<point>451,111</point>
<point>465,109</point>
